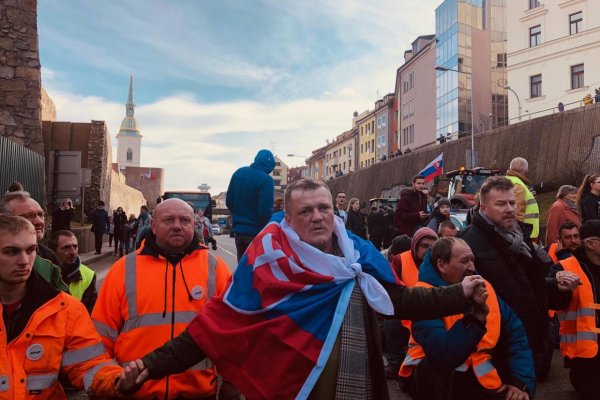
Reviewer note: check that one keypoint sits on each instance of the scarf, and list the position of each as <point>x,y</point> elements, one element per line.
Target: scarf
<point>512,237</point>
<point>286,302</point>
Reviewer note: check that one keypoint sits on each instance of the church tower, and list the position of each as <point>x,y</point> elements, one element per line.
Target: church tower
<point>129,140</point>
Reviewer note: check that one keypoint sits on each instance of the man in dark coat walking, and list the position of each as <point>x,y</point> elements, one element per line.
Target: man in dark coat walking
<point>100,225</point>
<point>412,207</point>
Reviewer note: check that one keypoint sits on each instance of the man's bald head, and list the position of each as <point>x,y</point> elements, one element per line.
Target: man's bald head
<point>173,225</point>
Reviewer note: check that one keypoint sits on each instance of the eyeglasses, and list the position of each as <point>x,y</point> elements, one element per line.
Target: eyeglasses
<point>32,215</point>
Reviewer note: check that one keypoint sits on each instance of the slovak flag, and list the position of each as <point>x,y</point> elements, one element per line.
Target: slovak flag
<point>434,168</point>
<point>272,331</point>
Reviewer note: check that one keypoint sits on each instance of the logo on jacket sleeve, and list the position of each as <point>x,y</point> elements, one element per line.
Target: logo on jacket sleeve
<point>34,352</point>
<point>197,292</point>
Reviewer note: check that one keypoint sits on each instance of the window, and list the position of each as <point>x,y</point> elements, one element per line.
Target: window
<point>349,163</point>
<point>362,150</point>
<point>535,86</point>
<point>577,76</point>
<point>575,23</point>
<point>535,35</point>
<point>534,4</point>
<point>129,155</point>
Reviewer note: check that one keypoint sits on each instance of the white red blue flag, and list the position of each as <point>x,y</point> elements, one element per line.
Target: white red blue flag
<point>434,168</point>
<point>271,332</point>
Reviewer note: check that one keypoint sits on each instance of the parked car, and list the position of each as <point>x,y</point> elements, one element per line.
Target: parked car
<point>216,229</point>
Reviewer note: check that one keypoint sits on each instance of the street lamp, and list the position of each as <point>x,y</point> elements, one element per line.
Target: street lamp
<point>304,171</point>
<point>446,69</point>
<point>518,100</point>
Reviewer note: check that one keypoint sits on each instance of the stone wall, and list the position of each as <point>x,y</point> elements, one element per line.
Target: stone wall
<point>20,79</point>
<point>561,148</point>
<point>99,161</point>
<point>124,196</point>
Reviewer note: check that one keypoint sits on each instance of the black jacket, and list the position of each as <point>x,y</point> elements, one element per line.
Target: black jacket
<point>356,224</point>
<point>100,221</point>
<point>521,282</point>
<point>377,223</point>
<point>590,207</point>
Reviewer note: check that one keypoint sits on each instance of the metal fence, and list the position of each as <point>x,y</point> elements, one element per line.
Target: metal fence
<point>18,163</point>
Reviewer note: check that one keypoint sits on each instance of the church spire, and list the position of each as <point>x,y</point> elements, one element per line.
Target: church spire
<point>129,124</point>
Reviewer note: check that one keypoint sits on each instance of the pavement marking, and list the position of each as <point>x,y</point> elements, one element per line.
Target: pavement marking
<point>230,253</point>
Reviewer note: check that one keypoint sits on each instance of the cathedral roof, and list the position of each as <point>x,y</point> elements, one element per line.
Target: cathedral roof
<point>129,124</point>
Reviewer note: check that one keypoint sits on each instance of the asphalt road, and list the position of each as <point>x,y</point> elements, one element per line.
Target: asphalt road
<point>557,387</point>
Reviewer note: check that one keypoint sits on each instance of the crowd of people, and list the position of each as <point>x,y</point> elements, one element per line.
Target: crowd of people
<point>325,302</point>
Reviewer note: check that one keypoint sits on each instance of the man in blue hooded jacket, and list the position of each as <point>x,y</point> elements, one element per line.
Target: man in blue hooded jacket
<point>250,199</point>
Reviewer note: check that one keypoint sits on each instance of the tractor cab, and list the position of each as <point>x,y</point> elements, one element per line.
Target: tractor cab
<point>465,184</point>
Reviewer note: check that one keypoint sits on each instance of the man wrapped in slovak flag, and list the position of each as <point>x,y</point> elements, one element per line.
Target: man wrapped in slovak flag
<point>298,319</point>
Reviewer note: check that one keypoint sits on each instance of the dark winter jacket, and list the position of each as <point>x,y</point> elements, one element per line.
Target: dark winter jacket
<point>590,207</point>
<point>119,220</point>
<point>377,223</point>
<point>100,221</point>
<point>448,349</point>
<point>61,219</point>
<point>407,217</point>
<point>250,195</point>
<point>521,282</point>
<point>356,224</point>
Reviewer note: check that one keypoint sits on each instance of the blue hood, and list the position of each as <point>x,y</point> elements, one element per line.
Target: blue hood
<point>429,274</point>
<point>264,161</point>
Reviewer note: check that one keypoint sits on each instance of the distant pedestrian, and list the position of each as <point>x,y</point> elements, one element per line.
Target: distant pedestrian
<point>588,197</point>
<point>376,225</point>
<point>390,230</point>
<point>250,199</point>
<point>563,209</point>
<point>587,100</point>
<point>597,96</point>
<point>111,229</point>
<point>561,107</point>
<point>62,216</point>
<point>119,220</point>
<point>356,220</point>
<point>100,225</point>
<point>411,212</point>
<point>142,225</point>
<point>340,205</point>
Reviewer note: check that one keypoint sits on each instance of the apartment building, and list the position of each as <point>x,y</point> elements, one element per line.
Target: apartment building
<point>340,155</point>
<point>315,164</point>
<point>279,174</point>
<point>365,125</point>
<point>384,132</point>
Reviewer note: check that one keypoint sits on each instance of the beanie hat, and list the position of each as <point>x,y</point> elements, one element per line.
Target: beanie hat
<point>441,202</point>
<point>590,228</point>
<point>418,236</point>
<point>400,244</point>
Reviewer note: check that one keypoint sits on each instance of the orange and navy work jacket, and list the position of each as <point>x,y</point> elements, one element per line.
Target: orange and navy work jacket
<point>410,271</point>
<point>58,338</point>
<point>146,301</point>
<point>578,322</point>
<point>480,360</point>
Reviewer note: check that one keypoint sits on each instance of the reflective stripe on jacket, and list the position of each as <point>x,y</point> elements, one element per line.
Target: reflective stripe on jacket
<point>59,337</point>
<point>481,360</point>
<point>532,211</point>
<point>135,313</point>
<point>78,288</point>
<point>410,271</point>
<point>578,322</point>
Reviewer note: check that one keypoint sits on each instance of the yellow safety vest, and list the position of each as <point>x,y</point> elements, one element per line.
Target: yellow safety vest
<point>78,288</point>
<point>532,211</point>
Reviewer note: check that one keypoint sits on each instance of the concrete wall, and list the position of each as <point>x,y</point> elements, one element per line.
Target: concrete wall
<point>560,148</point>
<point>20,79</point>
<point>124,196</point>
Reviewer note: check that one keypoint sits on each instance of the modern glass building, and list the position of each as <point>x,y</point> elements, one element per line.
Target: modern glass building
<point>471,39</point>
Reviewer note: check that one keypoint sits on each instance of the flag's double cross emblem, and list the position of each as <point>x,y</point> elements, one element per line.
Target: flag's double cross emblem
<point>272,257</point>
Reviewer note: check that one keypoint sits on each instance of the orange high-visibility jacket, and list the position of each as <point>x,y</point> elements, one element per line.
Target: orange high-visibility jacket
<point>480,360</point>
<point>135,312</point>
<point>577,323</point>
<point>59,337</point>
<point>552,252</point>
<point>410,270</point>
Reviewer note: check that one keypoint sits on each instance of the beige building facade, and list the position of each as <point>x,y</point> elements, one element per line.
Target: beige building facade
<point>415,88</point>
<point>340,156</point>
<point>279,174</point>
<point>553,55</point>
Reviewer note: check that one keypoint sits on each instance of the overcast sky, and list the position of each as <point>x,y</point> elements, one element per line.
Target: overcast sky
<point>215,81</point>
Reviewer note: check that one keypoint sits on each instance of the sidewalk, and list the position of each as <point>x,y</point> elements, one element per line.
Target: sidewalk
<point>91,257</point>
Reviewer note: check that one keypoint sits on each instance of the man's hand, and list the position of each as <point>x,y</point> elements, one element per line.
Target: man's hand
<point>567,281</point>
<point>480,307</point>
<point>470,283</point>
<point>512,393</point>
<point>133,376</point>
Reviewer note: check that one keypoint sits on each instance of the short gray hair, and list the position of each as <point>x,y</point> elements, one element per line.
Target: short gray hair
<point>565,190</point>
<point>19,195</point>
<point>519,164</point>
